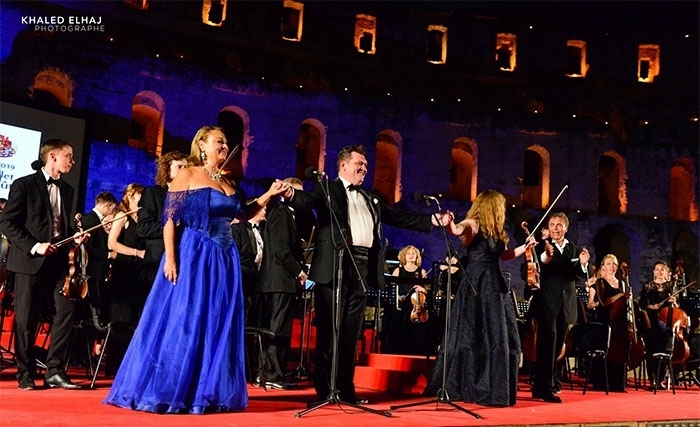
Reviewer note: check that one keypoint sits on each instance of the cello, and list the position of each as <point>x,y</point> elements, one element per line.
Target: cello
<point>676,319</point>
<point>625,345</point>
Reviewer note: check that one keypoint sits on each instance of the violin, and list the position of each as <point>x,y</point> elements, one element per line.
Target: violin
<point>533,266</point>
<point>419,314</point>
<point>75,285</point>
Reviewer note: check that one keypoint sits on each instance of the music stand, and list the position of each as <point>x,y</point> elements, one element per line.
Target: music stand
<point>341,247</point>
<point>442,396</point>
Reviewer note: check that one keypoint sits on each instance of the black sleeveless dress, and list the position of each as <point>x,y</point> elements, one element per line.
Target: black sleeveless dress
<point>400,334</point>
<point>483,347</point>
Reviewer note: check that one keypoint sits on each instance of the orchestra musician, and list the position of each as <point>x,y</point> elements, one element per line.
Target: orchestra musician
<point>656,291</point>
<point>36,217</point>
<point>402,335</point>
<point>610,289</point>
<point>656,294</point>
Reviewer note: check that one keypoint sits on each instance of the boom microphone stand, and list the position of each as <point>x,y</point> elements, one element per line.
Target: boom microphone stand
<point>341,247</point>
<point>442,395</point>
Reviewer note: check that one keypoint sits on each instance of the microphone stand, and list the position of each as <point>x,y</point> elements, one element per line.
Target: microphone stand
<point>340,247</point>
<point>442,395</point>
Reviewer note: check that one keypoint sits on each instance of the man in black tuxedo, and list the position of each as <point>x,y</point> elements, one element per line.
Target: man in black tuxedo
<point>249,237</point>
<point>96,246</point>
<point>360,213</point>
<point>554,304</point>
<point>281,276</point>
<point>36,216</point>
<point>149,226</point>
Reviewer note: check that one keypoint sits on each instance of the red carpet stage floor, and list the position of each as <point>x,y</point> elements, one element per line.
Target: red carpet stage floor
<point>55,407</point>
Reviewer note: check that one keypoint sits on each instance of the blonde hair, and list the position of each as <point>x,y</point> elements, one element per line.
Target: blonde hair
<point>195,159</point>
<point>489,210</point>
<point>404,251</point>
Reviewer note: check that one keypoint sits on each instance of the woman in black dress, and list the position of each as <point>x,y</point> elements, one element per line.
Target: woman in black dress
<point>401,334</point>
<point>482,353</point>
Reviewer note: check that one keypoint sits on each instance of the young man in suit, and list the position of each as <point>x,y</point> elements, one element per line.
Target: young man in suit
<point>96,246</point>
<point>281,276</point>
<point>360,213</point>
<point>37,216</point>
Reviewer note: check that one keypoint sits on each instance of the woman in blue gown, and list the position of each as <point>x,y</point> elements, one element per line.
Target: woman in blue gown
<point>187,354</point>
<point>483,350</point>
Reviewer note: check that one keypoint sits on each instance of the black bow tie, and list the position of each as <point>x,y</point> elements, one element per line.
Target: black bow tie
<point>51,181</point>
<point>353,187</point>
<point>254,225</point>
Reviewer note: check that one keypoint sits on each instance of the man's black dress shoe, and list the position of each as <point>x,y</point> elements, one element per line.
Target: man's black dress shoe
<point>547,397</point>
<point>280,385</point>
<point>60,380</point>
<point>26,382</point>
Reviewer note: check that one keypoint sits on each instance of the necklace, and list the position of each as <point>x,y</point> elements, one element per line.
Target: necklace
<point>216,176</point>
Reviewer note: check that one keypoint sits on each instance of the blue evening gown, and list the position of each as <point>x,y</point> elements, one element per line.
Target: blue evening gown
<point>187,354</point>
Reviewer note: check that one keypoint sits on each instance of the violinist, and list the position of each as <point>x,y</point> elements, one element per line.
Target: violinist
<point>402,335</point>
<point>127,289</point>
<point>36,217</point>
<point>610,289</point>
<point>96,247</point>
<point>554,304</point>
<point>593,302</point>
<point>482,353</point>
<point>655,295</point>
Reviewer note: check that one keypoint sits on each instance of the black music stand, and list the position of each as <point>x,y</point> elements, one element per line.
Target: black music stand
<point>442,395</point>
<point>341,247</point>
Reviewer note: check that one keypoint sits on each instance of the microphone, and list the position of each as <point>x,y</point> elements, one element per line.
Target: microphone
<point>427,197</point>
<point>311,172</point>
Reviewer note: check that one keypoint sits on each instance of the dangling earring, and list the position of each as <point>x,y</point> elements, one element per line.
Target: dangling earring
<point>203,156</point>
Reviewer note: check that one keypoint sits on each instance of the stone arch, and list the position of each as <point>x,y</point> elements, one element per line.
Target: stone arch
<point>311,147</point>
<point>387,167</point>
<point>236,125</point>
<point>685,248</point>
<point>51,85</point>
<point>612,184</point>
<point>682,193</point>
<point>535,182</point>
<point>464,169</point>
<point>147,122</point>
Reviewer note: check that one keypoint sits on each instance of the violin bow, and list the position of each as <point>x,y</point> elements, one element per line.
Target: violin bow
<point>219,170</point>
<point>547,212</point>
<point>82,233</point>
<point>678,292</point>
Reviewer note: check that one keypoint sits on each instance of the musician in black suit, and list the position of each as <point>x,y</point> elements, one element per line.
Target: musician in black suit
<point>38,215</point>
<point>249,238</point>
<point>554,304</point>
<point>281,276</point>
<point>360,213</point>
<point>149,226</point>
<point>98,264</point>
